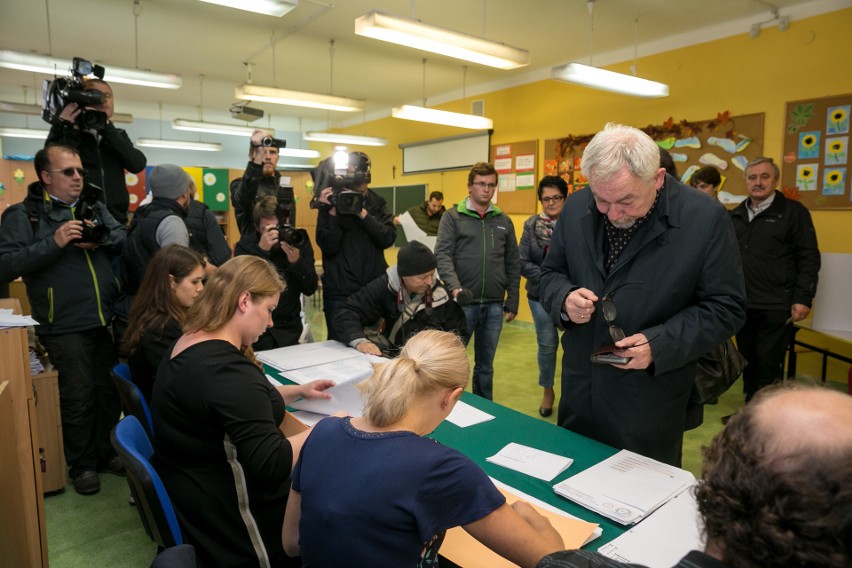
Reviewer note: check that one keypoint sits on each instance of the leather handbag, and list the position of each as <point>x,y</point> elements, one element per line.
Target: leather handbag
<point>716,371</point>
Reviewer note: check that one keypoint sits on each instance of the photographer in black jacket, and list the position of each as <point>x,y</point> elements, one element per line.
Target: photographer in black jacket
<point>259,180</point>
<point>106,152</point>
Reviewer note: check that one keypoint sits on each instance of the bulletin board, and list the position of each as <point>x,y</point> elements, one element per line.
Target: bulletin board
<point>516,163</point>
<point>726,142</point>
<point>816,152</point>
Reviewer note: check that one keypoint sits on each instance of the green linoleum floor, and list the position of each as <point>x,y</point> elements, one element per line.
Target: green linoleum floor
<point>104,530</point>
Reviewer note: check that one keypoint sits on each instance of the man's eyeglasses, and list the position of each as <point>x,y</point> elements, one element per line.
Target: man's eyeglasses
<point>483,185</point>
<point>554,199</point>
<point>69,172</point>
<point>609,314</point>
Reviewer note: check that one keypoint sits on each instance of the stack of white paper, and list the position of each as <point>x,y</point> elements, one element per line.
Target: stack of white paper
<point>307,355</point>
<point>626,487</point>
<point>8,319</point>
<point>537,463</point>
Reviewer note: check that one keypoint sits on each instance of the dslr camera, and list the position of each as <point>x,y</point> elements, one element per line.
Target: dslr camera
<point>57,94</point>
<point>342,173</point>
<point>287,232</point>
<point>87,211</point>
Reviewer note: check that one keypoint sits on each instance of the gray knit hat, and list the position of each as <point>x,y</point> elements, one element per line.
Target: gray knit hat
<point>169,181</point>
<point>415,258</point>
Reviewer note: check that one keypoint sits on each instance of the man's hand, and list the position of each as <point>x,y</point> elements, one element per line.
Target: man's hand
<point>579,305</point>
<point>268,238</point>
<point>68,232</point>
<point>798,312</point>
<point>291,252</point>
<point>640,356</point>
<point>509,315</point>
<point>369,348</point>
<point>324,197</point>
<point>396,219</point>
<point>70,113</point>
<point>363,214</point>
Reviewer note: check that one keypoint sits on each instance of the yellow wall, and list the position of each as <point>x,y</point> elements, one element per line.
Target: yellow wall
<point>737,74</point>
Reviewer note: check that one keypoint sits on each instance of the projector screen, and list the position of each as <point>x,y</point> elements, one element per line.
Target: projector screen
<point>454,153</point>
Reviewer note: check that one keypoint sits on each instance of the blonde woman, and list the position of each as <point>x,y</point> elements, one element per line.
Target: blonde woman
<point>217,444</point>
<point>373,491</point>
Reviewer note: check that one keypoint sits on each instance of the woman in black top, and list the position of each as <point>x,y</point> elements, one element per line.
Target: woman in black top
<point>217,444</point>
<point>172,281</point>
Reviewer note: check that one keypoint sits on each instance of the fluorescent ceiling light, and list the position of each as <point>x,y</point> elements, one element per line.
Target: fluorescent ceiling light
<point>36,110</point>
<point>344,139</point>
<point>423,114</point>
<point>426,37</point>
<point>298,153</point>
<point>269,7</point>
<point>249,92</point>
<point>56,66</point>
<point>604,80</point>
<point>178,145</point>
<point>23,133</point>
<point>217,127</point>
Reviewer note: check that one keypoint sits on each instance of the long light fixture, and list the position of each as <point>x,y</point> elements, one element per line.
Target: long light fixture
<point>178,145</point>
<point>435,39</point>
<point>336,138</point>
<point>23,133</point>
<point>216,127</point>
<point>598,78</point>
<point>435,116</point>
<point>248,92</point>
<point>55,66</point>
<point>269,7</point>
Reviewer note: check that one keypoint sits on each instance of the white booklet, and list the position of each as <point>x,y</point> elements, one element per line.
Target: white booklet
<point>464,415</point>
<point>537,463</point>
<point>626,487</point>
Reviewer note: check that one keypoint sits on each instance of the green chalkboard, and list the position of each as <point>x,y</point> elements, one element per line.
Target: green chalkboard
<point>400,199</point>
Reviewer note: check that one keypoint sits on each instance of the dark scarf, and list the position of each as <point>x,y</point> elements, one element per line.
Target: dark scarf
<point>617,239</point>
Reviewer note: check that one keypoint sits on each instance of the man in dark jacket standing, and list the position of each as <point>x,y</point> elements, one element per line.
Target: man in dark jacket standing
<point>781,263</point>
<point>353,245</point>
<point>71,288</point>
<point>106,152</point>
<point>642,261</point>
<point>477,251</point>
<point>408,298</point>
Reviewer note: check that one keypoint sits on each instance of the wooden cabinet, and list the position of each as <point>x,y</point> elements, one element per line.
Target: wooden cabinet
<point>51,450</point>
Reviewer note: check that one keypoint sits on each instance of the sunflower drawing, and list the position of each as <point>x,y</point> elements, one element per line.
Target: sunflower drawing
<point>835,151</point>
<point>805,178</point>
<point>834,181</point>
<point>809,144</point>
<point>809,141</point>
<point>837,120</point>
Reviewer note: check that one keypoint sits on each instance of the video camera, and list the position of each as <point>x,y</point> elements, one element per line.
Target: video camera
<point>277,142</point>
<point>94,230</point>
<point>284,211</point>
<point>342,173</point>
<point>57,94</point>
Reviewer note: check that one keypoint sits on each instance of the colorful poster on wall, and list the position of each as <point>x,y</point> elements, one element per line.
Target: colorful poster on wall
<point>136,187</point>
<point>215,182</point>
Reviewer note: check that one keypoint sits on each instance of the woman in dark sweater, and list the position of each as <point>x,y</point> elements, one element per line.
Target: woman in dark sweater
<point>172,281</point>
<point>217,444</point>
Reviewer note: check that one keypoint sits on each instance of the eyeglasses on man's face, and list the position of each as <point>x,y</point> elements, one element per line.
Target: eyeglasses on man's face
<point>552,199</point>
<point>69,172</point>
<point>484,185</point>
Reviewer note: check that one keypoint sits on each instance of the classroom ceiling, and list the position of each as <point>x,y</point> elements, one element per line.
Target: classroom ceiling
<point>195,39</point>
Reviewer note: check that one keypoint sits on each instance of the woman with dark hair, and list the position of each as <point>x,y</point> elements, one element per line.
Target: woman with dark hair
<point>374,491</point>
<point>172,281</point>
<point>217,442</point>
<point>535,242</point>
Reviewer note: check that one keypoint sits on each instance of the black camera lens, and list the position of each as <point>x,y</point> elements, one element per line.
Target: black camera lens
<point>270,141</point>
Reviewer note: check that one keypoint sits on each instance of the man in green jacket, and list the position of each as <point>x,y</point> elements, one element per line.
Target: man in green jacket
<point>477,254</point>
<point>428,214</point>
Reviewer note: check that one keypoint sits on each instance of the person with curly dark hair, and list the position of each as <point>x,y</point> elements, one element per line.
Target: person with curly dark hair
<point>776,488</point>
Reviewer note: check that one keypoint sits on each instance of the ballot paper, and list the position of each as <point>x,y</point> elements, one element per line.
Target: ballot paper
<point>345,397</point>
<point>415,233</point>
<point>537,463</point>
<point>307,355</point>
<point>663,538</point>
<point>358,368</point>
<point>9,319</point>
<point>464,415</point>
<point>626,487</point>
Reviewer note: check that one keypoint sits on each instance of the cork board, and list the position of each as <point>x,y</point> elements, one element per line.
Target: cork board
<point>726,142</point>
<point>815,169</point>
<point>516,163</point>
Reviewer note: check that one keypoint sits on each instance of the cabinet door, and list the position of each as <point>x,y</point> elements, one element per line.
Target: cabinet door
<point>46,386</point>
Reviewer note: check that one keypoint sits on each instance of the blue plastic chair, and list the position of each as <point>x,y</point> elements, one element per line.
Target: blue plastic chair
<point>133,403</point>
<point>152,501</point>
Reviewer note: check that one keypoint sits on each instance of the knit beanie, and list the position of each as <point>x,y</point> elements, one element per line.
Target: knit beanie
<point>169,181</point>
<point>415,258</point>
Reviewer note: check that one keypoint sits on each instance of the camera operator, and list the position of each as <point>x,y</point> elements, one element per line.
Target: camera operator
<point>295,263</point>
<point>71,288</point>
<point>352,245</point>
<point>259,180</point>
<point>106,151</point>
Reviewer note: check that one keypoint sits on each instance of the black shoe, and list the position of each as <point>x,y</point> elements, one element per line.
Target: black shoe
<point>545,412</point>
<point>726,418</point>
<point>87,482</point>
<point>114,466</point>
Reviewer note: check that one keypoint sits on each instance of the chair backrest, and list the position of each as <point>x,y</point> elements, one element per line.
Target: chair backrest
<point>133,402</point>
<point>153,503</point>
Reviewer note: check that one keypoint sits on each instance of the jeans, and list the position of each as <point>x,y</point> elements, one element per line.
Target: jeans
<point>484,321</point>
<point>89,403</point>
<point>548,340</point>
